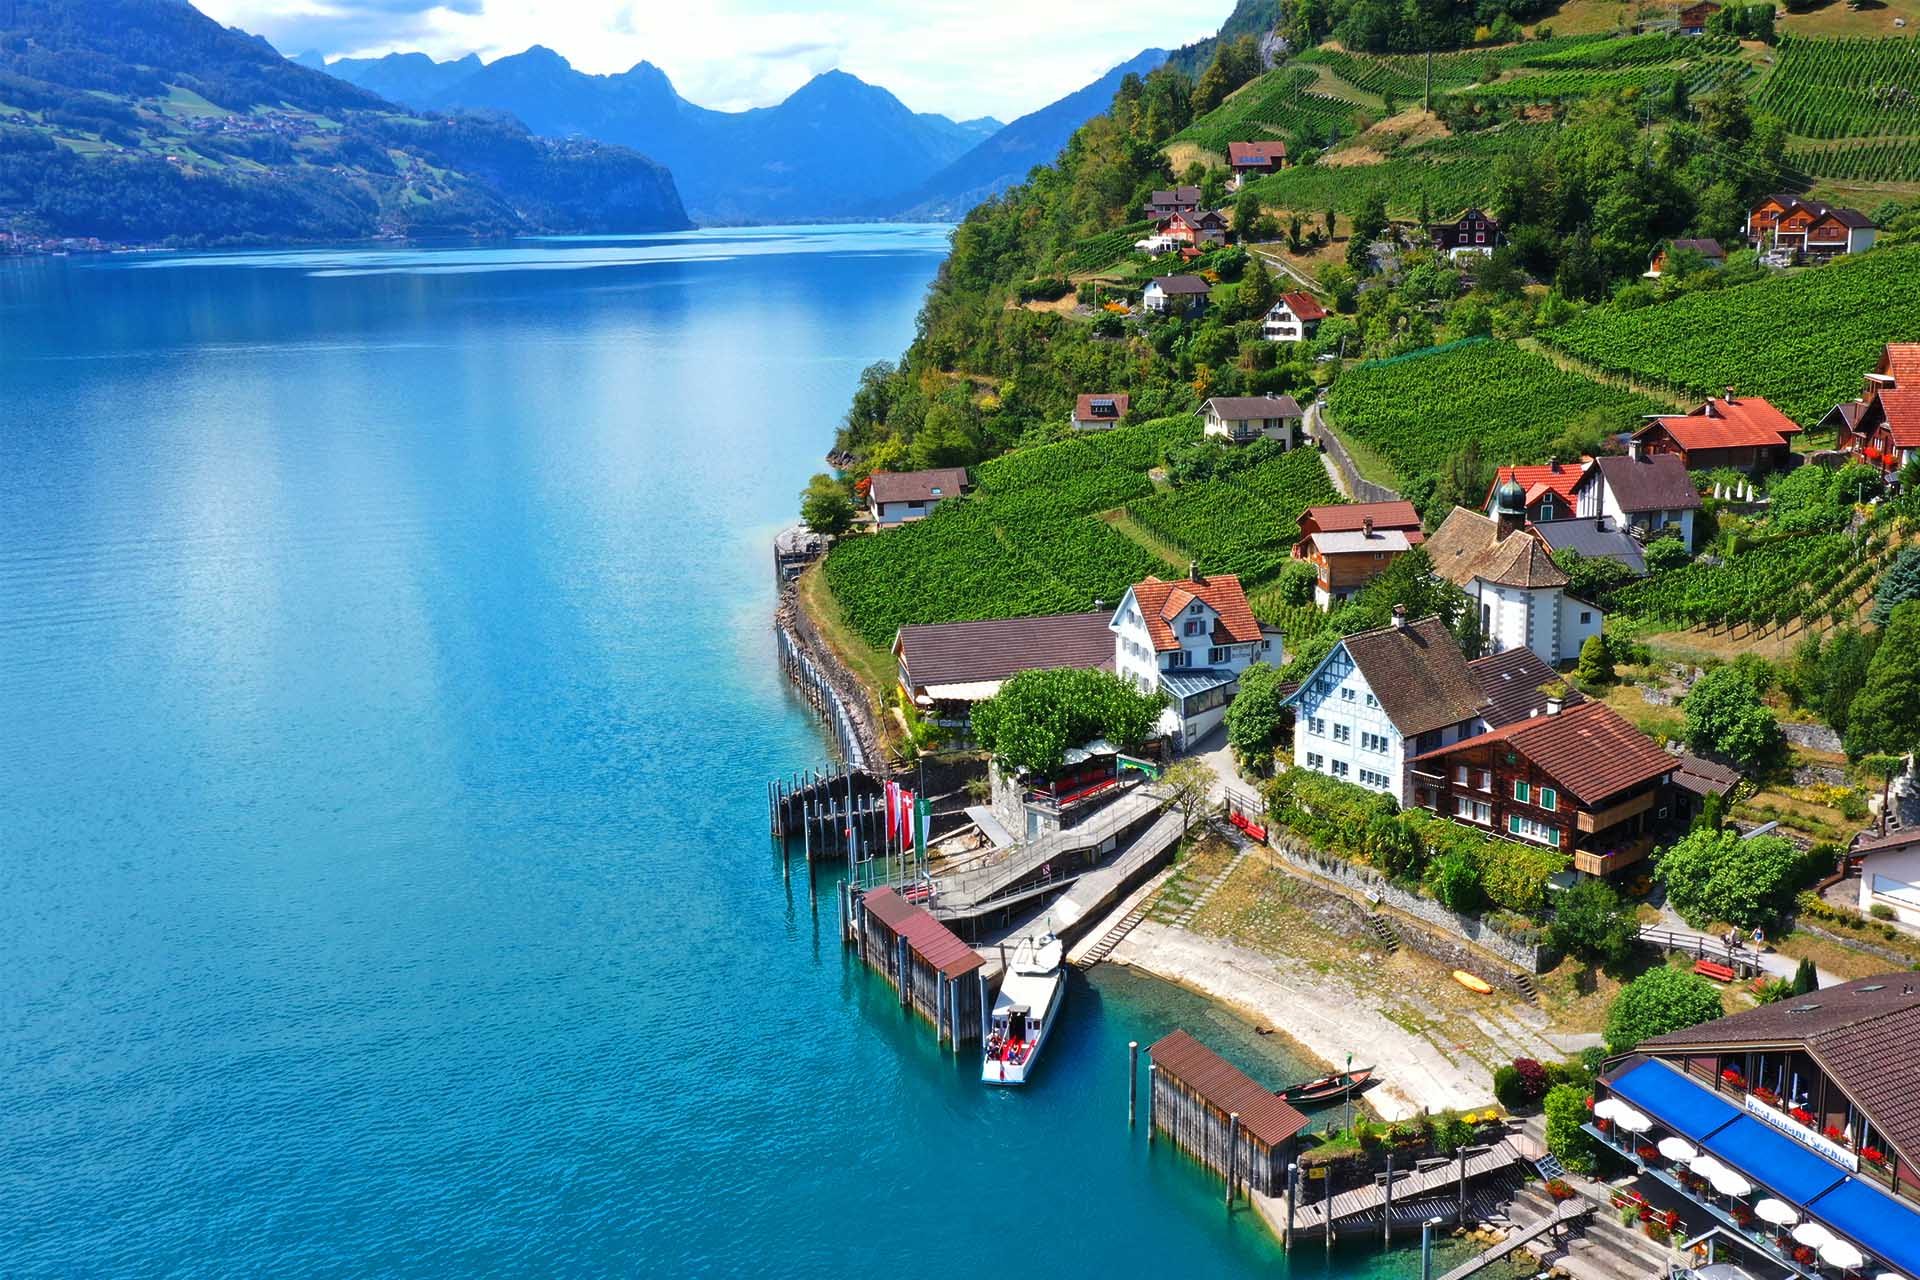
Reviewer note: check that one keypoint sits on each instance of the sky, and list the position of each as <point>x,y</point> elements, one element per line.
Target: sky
<point>963,58</point>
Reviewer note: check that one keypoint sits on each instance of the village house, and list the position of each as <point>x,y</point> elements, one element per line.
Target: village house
<point>1519,686</point>
<point>1164,204</point>
<point>1509,574</point>
<point>1810,228</point>
<point>1190,640</point>
<point>945,668</point>
<point>1693,18</point>
<point>1474,231</point>
<point>1883,425</point>
<point>1243,419</point>
<point>1351,544</point>
<point>1649,493</point>
<point>1382,697</point>
<point>1579,779</point>
<point>1709,250</point>
<point>1201,227</point>
<point>1098,413</point>
<point>895,497</point>
<point>1593,538</point>
<point>1743,433</point>
<point>1548,488</point>
<point>1806,1109</point>
<point>1166,295</point>
<point>1293,318</point>
<point>1252,159</point>
<point>1890,873</point>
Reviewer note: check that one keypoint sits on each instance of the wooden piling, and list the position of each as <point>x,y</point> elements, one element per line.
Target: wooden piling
<point>1150,1092</point>
<point>1460,1213</point>
<point>1233,1155</point>
<point>1133,1077</point>
<point>1293,1199</point>
<point>1386,1214</point>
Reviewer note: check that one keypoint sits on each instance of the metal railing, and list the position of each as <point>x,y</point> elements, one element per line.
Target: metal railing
<point>969,890</point>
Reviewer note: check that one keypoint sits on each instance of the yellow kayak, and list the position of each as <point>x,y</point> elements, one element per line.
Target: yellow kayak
<point>1472,983</point>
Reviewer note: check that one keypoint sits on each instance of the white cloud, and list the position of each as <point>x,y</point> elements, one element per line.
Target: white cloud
<point>960,57</point>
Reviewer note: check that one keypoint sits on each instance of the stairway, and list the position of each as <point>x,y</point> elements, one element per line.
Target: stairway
<point>1205,896</point>
<point>1108,941</point>
<point>1601,1249</point>
<point>1527,989</point>
<point>1383,931</point>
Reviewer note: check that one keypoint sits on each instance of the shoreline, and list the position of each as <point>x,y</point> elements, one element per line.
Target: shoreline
<point>1323,1018</point>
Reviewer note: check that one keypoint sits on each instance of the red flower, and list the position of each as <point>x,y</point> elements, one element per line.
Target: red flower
<point>1733,1077</point>
<point>1559,1189</point>
<point>1672,1220</point>
<point>1765,1094</point>
<point>1646,1213</point>
<point>1802,1116</point>
<point>1874,1154</point>
<point>1802,1254</point>
<point>1645,1153</point>
<point>1833,1132</point>
<point>1604,1125</point>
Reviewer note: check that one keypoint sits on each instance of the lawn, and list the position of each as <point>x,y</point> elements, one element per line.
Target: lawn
<point>874,667</point>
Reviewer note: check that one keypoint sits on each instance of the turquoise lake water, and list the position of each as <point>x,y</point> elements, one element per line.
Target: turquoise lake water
<point>386,700</point>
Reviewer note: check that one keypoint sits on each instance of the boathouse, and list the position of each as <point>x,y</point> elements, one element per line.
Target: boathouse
<point>938,976</point>
<point>1195,1097</point>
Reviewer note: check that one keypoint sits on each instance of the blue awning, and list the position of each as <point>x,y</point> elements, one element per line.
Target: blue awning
<point>1873,1220</point>
<point>1673,1100</point>
<point>1775,1160</point>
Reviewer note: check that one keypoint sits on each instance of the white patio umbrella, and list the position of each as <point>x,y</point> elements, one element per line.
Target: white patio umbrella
<point>1813,1235</point>
<point>1635,1122</point>
<point>1608,1108</point>
<point>1729,1183</point>
<point>1889,1275</point>
<point>1778,1212</point>
<point>1706,1166</point>
<point>1678,1150</point>
<point>1841,1254</point>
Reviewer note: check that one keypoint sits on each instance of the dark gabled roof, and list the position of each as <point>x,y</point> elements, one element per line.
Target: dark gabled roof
<point>1865,1034</point>
<point>1419,675</point>
<point>917,486</point>
<point>1658,483</point>
<point>1591,750</point>
<point>1594,537</point>
<point>1179,195</point>
<point>1181,284</point>
<point>1517,683</point>
<point>1223,1085</point>
<point>996,648</point>
<point>1705,248</point>
<point>1254,406</point>
<point>1703,777</point>
<point>1888,843</point>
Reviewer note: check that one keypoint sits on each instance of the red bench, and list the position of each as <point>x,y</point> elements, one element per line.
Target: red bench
<point>1710,969</point>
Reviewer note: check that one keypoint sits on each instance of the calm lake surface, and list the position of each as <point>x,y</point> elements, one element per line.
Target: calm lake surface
<point>386,699</point>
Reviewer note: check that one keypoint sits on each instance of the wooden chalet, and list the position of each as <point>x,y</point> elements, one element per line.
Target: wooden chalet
<point>1744,433</point>
<point>1193,228</point>
<point>1579,779</point>
<point>1808,228</point>
<point>1883,425</point>
<point>1351,544</point>
<point>1473,230</point>
<point>1693,18</point>
<point>1164,204</point>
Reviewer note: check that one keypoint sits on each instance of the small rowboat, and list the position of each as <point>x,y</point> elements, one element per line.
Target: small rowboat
<point>1472,983</point>
<point>1340,1084</point>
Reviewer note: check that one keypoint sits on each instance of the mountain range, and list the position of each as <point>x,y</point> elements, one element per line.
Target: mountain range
<point>144,121</point>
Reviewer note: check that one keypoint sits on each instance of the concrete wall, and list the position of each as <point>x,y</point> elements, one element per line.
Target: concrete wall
<point>1892,880</point>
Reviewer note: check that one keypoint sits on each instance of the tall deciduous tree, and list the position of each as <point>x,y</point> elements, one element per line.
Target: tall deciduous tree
<point>1038,715</point>
<point>1726,717</point>
<point>1255,717</point>
<point>1885,715</point>
<point>825,506</point>
<point>1658,1001</point>
<point>1713,875</point>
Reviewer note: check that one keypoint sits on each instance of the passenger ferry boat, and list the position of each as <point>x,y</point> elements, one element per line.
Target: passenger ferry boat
<point>1024,1011</point>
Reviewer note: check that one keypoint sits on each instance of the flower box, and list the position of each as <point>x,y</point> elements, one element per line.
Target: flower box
<point>1873,1155</point>
<point>1836,1134</point>
<point>1734,1078</point>
<point>1646,1154</point>
<point>1804,1117</point>
<point>1559,1189</point>
<point>1766,1095</point>
<point>1803,1255</point>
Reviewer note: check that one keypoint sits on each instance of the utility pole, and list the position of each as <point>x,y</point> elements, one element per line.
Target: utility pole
<point>1426,100</point>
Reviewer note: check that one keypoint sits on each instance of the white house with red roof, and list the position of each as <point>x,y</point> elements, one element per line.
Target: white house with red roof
<point>1745,433</point>
<point>1293,318</point>
<point>895,497</point>
<point>1189,639</point>
<point>1549,488</point>
<point>1098,412</point>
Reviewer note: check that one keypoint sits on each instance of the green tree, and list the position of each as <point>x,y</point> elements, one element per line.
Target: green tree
<point>1717,875</point>
<point>1188,786</point>
<point>1663,554</point>
<point>1255,717</point>
<point>1806,978</point>
<point>1594,922</point>
<point>1725,717</point>
<point>1038,715</point>
<point>1899,584</point>
<point>1885,716</point>
<point>1246,212</point>
<point>825,506</point>
<point>1330,222</point>
<point>1566,1110</point>
<point>1658,1001</point>
<point>1455,880</point>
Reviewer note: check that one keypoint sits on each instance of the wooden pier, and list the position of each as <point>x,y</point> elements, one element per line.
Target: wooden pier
<point>938,976</point>
<point>1563,1215</point>
<point>1222,1117</point>
<point>1441,1189</point>
<point>829,812</point>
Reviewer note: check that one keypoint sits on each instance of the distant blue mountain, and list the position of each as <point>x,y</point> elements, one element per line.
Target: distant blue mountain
<point>837,147</point>
<point>1006,157</point>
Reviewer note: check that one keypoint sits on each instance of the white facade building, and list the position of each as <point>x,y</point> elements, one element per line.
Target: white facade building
<point>1293,318</point>
<point>1509,574</point>
<point>1650,494</point>
<point>1244,419</point>
<point>1191,640</point>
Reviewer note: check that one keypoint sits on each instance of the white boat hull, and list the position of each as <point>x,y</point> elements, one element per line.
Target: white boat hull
<point>996,1070</point>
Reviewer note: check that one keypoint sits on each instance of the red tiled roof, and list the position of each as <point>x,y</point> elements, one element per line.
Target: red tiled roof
<point>918,486</point>
<point>1224,1086</point>
<point>1560,477</point>
<point>1745,422</point>
<point>1255,152</point>
<point>1083,407</point>
<point>1590,750</point>
<point>1900,406</point>
<point>1902,360</point>
<point>927,937</point>
<point>1161,603</point>
<point>1348,516</point>
<point>1304,305</point>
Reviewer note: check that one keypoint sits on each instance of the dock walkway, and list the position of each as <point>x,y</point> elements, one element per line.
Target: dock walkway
<point>1003,881</point>
<point>1569,1212</point>
<point>1363,1204</point>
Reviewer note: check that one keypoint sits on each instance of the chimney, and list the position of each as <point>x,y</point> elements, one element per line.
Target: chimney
<point>1193,571</point>
<point>1730,398</point>
<point>1399,617</point>
<point>1366,526</point>
<point>1553,704</point>
<point>1636,450</point>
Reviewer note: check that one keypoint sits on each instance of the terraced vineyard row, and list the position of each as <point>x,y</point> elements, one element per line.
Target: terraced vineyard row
<point>1246,524</point>
<point>1279,101</point>
<point>1702,76</point>
<point>1844,88</point>
<point>1802,341</point>
<point>1105,249</point>
<point>1892,160</point>
<point>1452,173</point>
<point>1404,76</point>
<point>1419,410</point>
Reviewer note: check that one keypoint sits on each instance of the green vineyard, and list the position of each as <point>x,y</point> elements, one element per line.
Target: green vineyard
<point>1245,524</point>
<point>1452,173</point>
<point>1277,103</point>
<point>1802,341</point>
<point>1895,160</point>
<point>1844,88</point>
<point>1419,410</point>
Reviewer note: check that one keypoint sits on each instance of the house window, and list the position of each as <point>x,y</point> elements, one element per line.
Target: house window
<point>1193,626</point>
<point>1486,780</point>
<point>1546,509</point>
<point>1371,778</point>
<point>1343,733</point>
<point>1528,829</point>
<point>1460,775</point>
<point>1195,608</point>
<point>1473,811</point>
<point>1374,742</point>
<point>1549,799</point>
<point>1340,769</point>
<point>1372,701</point>
<point>1218,654</point>
<point>1315,760</point>
<point>1180,659</point>
<point>1586,616</point>
<point>1346,694</point>
<point>1479,237</point>
<point>1522,792</point>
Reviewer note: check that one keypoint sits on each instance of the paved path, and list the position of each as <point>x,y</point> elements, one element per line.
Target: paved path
<point>1772,963</point>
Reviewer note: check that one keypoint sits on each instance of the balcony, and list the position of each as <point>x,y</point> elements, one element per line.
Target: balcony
<point>1604,818</point>
<point>1603,864</point>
